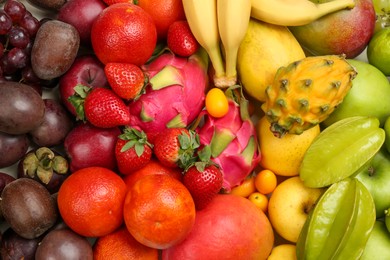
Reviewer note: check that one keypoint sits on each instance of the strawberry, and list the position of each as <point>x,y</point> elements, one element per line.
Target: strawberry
<point>126,80</point>
<point>102,107</point>
<point>132,150</point>
<point>204,181</point>
<point>180,39</point>
<point>175,147</point>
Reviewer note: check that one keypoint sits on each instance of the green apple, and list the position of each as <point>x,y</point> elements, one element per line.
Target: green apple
<point>375,175</point>
<point>387,134</point>
<point>369,95</point>
<point>378,244</point>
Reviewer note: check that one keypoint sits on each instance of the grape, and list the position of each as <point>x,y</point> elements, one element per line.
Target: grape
<point>15,9</point>
<point>30,23</point>
<point>5,22</point>
<point>18,37</point>
<point>29,76</point>
<point>17,58</point>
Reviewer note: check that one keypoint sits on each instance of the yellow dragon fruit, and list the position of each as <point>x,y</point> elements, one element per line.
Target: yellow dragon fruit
<point>306,92</point>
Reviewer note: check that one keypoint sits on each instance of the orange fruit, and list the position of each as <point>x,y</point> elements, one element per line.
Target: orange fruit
<point>153,167</point>
<point>164,13</point>
<point>91,200</point>
<point>260,200</point>
<point>266,181</point>
<point>246,188</point>
<point>124,32</point>
<point>121,245</point>
<point>159,211</point>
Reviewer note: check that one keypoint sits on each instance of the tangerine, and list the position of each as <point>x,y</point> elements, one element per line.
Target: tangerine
<point>164,13</point>
<point>90,201</point>
<point>159,211</point>
<point>153,167</point>
<point>266,181</point>
<point>121,245</point>
<point>124,32</point>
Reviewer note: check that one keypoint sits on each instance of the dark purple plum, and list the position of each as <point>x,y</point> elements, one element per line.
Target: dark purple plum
<point>56,124</point>
<point>14,246</point>
<point>12,148</point>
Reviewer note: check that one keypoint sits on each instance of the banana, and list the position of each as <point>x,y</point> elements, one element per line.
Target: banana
<point>233,19</point>
<point>295,12</point>
<point>202,19</point>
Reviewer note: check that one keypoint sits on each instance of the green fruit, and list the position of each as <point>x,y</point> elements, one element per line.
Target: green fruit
<point>378,51</point>
<point>339,225</point>
<point>386,126</point>
<point>378,244</point>
<point>340,150</point>
<point>368,96</point>
<point>387,219</point>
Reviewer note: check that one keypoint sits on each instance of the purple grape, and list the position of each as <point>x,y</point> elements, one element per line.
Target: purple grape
<point>29,76</point>
<point>18,37</point>
<point>17,58</point>
<point>5,22</point>
<point>30,23</point>
<point>15,9</point>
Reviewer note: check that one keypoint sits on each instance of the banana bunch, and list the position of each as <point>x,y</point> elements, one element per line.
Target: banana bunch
<point>295,12</point>
<point>219,26</point>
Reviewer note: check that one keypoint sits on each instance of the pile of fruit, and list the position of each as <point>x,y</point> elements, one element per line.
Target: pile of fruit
<point>194,129</point>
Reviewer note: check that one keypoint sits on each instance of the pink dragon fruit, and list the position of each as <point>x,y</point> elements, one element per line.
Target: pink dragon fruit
<point>233,142</point>
<point>175,95</point>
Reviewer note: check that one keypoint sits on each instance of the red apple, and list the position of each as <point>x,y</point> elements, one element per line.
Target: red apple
<point>87,145</point>
<point>343,32</point>
<point>81,14</point>
<point>230,227</point>
<point>86,70</point>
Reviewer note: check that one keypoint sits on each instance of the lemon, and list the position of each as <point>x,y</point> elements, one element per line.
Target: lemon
<point>378,51</point>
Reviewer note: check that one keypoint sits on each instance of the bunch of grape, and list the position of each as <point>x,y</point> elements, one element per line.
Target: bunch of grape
<point>18,28</point>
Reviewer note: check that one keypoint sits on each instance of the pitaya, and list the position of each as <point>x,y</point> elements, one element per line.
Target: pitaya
<point>233,142</point>
<point>175,94</point>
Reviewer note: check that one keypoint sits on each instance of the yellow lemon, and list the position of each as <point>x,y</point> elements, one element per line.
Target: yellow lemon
<point>283,155</point>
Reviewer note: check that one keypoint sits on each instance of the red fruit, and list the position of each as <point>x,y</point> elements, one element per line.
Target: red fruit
<point>103,108</point>
<point>124,32</point>
<point>230,227</point>
<point>204,182</point>
<point>132,151</point>
<point>175,147</point>
<point>126,80</point>
<point>180,39</point>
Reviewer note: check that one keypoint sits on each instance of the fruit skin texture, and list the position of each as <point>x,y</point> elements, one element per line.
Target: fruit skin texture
<point>367,97</point>
<point>306,92</point>
<point>103,108</point>
<point>159,211</point>
<point>378,244</point>
<point>132,42</point>
<point>283,155</point>
<point>220,232</point>
<point>263,50</point>
<point>90,201</point>
<point>345,31</point>
<point>180,39</point>
<point>120,244</point>
<point>287,213</point>
<point>87,145</point>
<point>127,80</point>
<point>375,176</point>
<point>204,183</point>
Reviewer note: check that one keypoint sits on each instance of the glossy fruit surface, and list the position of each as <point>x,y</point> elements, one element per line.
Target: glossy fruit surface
<point>246,187</point>
<point>340,150</point>
<point>120,244</point>
<point>266,181</point>
<point>159,211</point>
<point>378,51</point>
<point>217,104</point>
<point>132,42</point>
<point>90,201</point>
<point>283,155</point>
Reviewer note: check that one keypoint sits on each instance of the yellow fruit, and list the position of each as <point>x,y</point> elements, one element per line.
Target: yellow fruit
<point>283,252</point>
<point>264,49</point>
<point>283,155</point>
<point>260,200</point>
<point>246,188</point>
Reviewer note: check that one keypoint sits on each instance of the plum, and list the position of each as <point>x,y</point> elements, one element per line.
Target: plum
<point>55,48</point>
<point>12,148</point>
<point>14,246</point>
<point>56,124</point>
<point>64,244</point>
<point>22,108</point>
<point>87,145</point>
<point>28,207</point>
<point>46,166</point>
